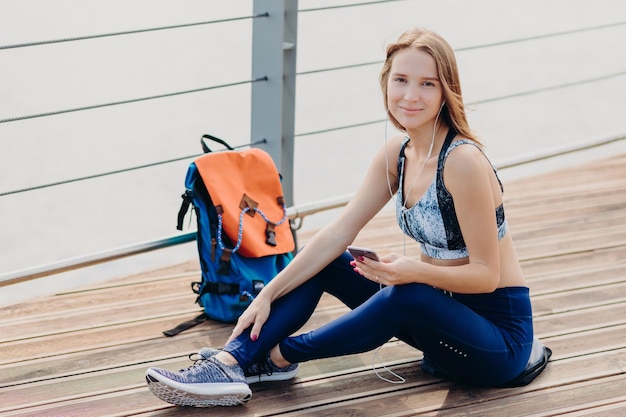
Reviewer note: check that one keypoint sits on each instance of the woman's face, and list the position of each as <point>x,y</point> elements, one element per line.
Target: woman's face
<point>414,92</point>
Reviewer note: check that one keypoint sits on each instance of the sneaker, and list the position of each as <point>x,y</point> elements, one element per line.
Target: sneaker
<point>259,372</point>
<point>207,383</point>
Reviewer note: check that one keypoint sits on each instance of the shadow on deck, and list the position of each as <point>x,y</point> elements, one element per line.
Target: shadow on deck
<point>84,353</point>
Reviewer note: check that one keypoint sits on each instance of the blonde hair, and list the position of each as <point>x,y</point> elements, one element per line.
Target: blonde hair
<point>453,113</point>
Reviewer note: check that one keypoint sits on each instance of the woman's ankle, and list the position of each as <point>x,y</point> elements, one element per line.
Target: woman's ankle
<point>277,357</point>
<point>226,358</point>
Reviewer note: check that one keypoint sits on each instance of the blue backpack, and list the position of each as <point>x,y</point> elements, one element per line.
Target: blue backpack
<point>244,236</point>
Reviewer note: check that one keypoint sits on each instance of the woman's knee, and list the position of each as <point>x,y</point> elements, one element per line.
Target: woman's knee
<point>412,304</point>
<point>412,295</point>
<point>340,280</point>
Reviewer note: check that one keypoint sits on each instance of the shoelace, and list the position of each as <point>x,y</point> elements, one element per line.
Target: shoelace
<point>264,367</point>
<point>197,359</point>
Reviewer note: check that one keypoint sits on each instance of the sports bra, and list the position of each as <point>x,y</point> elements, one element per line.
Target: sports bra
<point>432,220</point>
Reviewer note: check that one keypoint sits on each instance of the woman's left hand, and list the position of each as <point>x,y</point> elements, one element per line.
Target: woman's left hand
<point>255,315</point>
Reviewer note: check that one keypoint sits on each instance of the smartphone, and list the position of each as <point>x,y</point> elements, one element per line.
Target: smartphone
<point>356,251</point>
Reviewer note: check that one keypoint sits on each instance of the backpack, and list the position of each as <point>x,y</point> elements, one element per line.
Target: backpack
<point>244,236</point>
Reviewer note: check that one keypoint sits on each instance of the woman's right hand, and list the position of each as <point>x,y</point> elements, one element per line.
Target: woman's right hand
<point>255,315</point>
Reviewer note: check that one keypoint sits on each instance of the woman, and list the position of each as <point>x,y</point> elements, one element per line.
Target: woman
<point>464,303</point>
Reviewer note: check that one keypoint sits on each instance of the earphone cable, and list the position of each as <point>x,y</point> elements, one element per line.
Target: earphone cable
<point>400,379</point>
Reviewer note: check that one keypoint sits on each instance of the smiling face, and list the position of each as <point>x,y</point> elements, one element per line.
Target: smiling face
<point>414,91</point>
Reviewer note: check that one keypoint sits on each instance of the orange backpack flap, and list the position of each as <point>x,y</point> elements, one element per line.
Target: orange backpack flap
<point>239,179</point>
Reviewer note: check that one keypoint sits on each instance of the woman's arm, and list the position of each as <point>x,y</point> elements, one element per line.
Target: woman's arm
<point>333,239</point>
<point>329,242</point>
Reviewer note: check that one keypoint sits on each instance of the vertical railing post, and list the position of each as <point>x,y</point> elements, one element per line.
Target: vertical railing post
<point>274,40</point>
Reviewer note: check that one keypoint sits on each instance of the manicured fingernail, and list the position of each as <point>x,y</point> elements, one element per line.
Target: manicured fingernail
<point>254,337</point>
<point>360,258</point>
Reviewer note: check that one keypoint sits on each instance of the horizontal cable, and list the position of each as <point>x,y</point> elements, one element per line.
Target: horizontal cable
<point>547,35</point>
<point>134,100</point>
<point>552,153</point>
<point>332,129</point>
<point>342,67</point>
<point>487,100</point>
<point>552,87</point>
<point>343,6</point>
<point>473,47</point>
<point>118,171</point>
<point>127,32</point>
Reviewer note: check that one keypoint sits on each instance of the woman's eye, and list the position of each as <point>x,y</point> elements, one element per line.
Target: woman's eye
<point>399,79</point>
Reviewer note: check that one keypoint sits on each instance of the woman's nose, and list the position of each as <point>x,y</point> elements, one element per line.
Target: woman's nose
<point>411,93</point>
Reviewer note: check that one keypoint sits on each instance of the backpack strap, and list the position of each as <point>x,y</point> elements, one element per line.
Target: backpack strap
<point>186,325</point>
<point>219,288</point>
<point>184,208</point>
<point>205,146</point>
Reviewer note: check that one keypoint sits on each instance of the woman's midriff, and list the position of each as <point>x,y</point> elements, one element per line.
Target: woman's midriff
<point>510,272</point>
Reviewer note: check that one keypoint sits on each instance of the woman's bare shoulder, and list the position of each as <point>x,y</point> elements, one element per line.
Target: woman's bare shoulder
<point>466,162</point>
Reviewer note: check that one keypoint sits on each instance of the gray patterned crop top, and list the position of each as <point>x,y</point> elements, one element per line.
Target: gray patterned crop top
<point>432,220</point>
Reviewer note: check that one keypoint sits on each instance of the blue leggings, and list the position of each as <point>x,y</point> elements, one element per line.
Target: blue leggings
<point>482,339</point>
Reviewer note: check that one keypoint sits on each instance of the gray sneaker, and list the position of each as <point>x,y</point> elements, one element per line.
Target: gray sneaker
<point>259,372</point>
<point>207,383</point>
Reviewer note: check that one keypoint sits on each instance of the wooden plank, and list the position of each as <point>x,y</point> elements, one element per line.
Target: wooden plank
<point>615,407</point>
<point>579,299</point>
<point>593,172</point>
<point>548,228</point>
<point>585,342</point>
<point>573,321</point>
<point>577,279</point>
<point>553,191</point>
<point>564,263</point>
<point>566,207</point>
<point>545,186</point>
<point>552,401</point>
<point>101,337</point>
<point>128,288</point>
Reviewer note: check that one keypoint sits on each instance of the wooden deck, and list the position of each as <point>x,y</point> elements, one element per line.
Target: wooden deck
<point>84,353</point>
